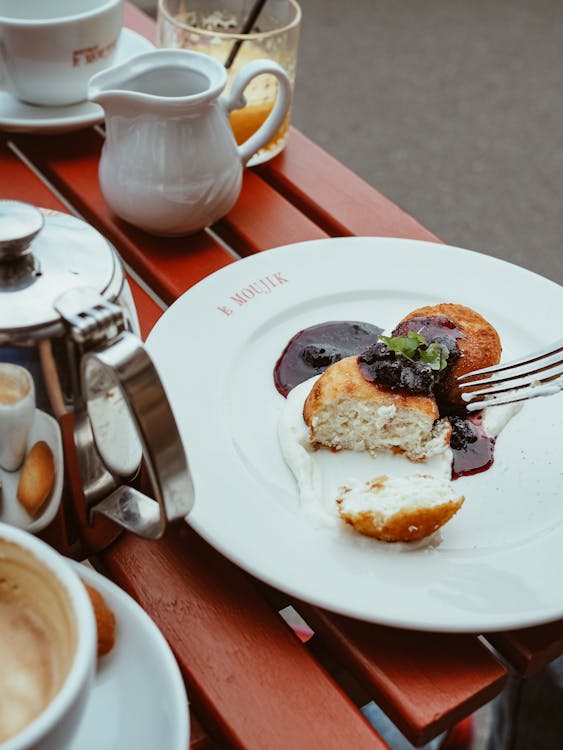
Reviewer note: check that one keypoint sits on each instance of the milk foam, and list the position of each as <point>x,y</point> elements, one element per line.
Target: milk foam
<point>27,674</point>
<point>38,637</point>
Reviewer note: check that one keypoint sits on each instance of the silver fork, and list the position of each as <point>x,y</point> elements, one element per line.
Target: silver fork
<point>538,374</point>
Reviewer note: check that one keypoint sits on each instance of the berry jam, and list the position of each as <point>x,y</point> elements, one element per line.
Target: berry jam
<point>314,349</point>
<point>472,450</point>
<point>380,365</point>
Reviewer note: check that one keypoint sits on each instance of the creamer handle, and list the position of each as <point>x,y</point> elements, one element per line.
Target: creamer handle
<point>236,100</point>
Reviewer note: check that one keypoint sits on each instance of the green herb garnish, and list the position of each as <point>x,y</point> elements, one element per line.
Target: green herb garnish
<point>414,347</point>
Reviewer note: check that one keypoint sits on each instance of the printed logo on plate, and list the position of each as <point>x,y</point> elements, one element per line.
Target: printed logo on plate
<point>265,285</point>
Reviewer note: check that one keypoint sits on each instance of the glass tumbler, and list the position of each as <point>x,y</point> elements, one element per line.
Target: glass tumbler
<point>214,28</point>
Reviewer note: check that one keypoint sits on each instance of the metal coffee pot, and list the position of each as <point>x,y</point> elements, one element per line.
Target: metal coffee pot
<point>84,420</point>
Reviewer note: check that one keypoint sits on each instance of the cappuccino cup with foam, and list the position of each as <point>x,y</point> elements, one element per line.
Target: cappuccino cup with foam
<point>47,645</point>
<point>17,412</point>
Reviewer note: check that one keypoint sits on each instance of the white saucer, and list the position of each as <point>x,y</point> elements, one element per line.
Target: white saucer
<point>47,429</point>
<point>19,117</point>
<point>138,701</point>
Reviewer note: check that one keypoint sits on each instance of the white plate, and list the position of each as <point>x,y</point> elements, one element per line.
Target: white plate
<point>500,560</point>
<point>19,117</point>
<point>138,701</point>
<point>47,429</point>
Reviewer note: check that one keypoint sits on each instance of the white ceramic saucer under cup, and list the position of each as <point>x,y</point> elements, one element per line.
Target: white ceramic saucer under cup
<point>18,117</point>
<point>47,429</point>
<point>138,700</point>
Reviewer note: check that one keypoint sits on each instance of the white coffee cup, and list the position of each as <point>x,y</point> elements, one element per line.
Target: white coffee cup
<point>47,645</point>
<point>17,412</point>
<point>51,48</point>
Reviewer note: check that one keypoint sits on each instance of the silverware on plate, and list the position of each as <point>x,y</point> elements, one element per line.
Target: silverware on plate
<point>537,374</point>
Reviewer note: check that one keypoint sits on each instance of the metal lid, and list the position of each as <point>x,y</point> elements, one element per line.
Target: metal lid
<point>42,255</point>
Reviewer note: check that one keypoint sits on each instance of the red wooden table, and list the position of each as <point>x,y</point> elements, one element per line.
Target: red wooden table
<point>251,681</point>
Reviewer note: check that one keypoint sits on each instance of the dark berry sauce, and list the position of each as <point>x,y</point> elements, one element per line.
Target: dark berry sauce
<point>314,349</point>
<point>473,451</point>
<point>380,365</point>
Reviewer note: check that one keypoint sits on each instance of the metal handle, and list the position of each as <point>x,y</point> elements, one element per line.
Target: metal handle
<point>122,407</point>
<point>125,364</point>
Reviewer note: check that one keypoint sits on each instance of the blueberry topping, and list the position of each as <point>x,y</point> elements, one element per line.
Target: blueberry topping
<point>463,433</point>
<point>380,365</point>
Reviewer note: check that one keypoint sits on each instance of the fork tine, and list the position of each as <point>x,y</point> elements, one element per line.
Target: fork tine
<point>504,387</point>
<point>513,396</point>
<point>552,349</point>
<point>515,372</point>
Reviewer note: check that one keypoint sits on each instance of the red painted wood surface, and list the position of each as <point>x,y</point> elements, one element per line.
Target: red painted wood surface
<point>345,204</point>
<point>529,650</point>
<point>248,675</point>
<point>425,682</point>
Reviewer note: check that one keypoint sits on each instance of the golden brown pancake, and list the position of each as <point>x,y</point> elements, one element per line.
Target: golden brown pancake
<point>481,346</point>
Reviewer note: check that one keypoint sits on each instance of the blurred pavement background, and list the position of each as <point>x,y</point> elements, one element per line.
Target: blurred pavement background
<point>452,108</point>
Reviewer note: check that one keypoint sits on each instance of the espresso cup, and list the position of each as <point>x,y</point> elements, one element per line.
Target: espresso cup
<point>47,645</point>
<point>51,48</point>
<point>17,412</point>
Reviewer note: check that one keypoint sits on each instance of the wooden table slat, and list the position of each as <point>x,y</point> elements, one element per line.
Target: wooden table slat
<point>529,650</point>
<point>425,682</point>
<point>18,182</point>
<point>238,657</point>
<point>148,311</point>
<point>262,219</point>
<point>333,196</point>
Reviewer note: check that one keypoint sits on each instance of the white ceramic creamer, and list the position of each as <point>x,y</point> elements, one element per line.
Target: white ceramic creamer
<point>170,164</point>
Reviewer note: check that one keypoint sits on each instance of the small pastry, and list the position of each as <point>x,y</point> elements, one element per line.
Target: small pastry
<point>478,342</point>
<point>105,620</point>
<point>399,509</point>
<point>37,477</point>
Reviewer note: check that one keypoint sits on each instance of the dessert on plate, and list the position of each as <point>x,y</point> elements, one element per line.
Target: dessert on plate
<point>403,509</point>
<point>399,397</point>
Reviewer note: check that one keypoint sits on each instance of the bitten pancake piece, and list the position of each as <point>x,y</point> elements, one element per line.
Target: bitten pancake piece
<point>481,346</point>
<point>344,410</point>
<point>400,509</point>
